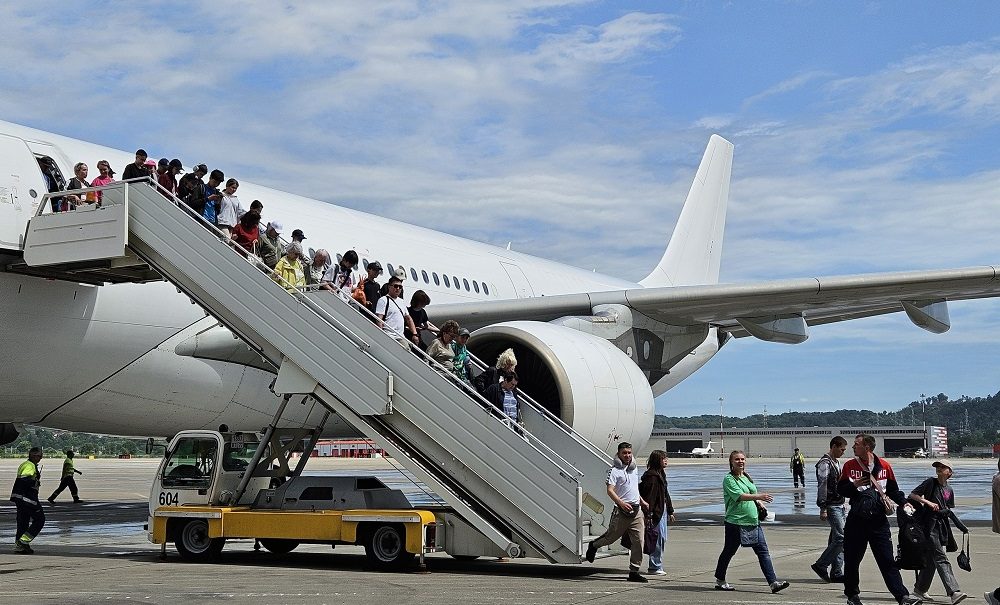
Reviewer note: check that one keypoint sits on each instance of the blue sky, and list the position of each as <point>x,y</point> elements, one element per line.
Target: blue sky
<point>865,141</point>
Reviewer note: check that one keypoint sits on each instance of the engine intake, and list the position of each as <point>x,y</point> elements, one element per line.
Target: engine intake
<point>583,379</point>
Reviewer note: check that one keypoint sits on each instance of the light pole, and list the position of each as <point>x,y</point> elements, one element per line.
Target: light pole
<point>923,417</point>
<point>722,417</point>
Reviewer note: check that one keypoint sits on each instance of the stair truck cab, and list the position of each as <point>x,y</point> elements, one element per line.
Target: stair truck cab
<point>212,487</point>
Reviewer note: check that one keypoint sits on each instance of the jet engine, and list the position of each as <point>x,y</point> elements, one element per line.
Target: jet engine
<point>8,433</point>
<point>583,379</point>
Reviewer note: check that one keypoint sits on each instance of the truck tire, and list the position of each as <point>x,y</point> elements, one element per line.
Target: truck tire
<point>385,546</point>
<point>193,543</point>
<point>278,546</point>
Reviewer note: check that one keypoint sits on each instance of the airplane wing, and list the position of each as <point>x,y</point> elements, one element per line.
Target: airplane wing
<point>773,310</point>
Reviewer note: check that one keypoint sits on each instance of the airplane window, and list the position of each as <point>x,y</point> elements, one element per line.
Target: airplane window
<point>465,283</point>
<point>475,286</point>
<point>413,273</point>
<point>437,282</point>
<point>455,279</point>
<point>447,283</point>
<point>340,257</point>
<point>486,289</point>
<point>391,272</point>
<point>364,262</point>
<point>424,274</point>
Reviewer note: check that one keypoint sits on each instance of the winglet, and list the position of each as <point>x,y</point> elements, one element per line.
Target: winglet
<point>695,249</point>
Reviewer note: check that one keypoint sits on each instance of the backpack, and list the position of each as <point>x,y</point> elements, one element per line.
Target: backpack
<point>913,542</point>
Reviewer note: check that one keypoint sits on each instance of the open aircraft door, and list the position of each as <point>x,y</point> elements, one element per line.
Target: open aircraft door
<point>21,187</point>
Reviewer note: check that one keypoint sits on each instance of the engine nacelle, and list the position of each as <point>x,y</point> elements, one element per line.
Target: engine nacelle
<point>8,433</point>
<point>585,380</point>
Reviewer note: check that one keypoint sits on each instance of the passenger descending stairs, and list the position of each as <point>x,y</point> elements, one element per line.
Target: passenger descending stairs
<point>536,493</point>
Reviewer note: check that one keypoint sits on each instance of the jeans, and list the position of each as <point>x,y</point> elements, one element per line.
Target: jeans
<point>833,556</point>
<point>937,558</point>
<point>733,544</point>
<point>656,557</point>
<point>859,533</point>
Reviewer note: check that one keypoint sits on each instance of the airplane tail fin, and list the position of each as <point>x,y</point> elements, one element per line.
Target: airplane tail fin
<point>695,249</point>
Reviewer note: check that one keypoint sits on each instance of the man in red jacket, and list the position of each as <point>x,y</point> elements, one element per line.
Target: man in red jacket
<point>870,484</point>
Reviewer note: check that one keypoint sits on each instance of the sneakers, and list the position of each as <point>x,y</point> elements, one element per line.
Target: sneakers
<point>923,596</point>
<point>591,552</point>
<point>958,596</point>
<point>911,599</point>
<point>656,572</point>
<point>634,576</point>
<point>990,599</point>
<point>778,585</point>
<point>820,571</point>
<point>723,585</point>
<point>838,579</point>
<point>22,548</point>
<point>854,600</point>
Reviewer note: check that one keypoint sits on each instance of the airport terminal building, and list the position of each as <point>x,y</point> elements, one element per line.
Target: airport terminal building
<point>811,441</point>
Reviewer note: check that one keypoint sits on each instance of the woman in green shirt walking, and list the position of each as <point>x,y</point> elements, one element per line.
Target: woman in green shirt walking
<point>743,523</point>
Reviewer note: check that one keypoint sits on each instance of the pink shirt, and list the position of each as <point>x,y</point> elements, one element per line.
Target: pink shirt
<point>100,182</point>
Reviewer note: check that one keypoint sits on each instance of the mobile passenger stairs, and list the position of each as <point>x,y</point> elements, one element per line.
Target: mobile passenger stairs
<point>536,491</point>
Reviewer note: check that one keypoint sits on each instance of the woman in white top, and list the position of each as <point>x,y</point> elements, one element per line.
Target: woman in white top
<point>230,209</point>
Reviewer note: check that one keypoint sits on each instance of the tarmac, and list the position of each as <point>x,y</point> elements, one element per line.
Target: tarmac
<point>97,551</point>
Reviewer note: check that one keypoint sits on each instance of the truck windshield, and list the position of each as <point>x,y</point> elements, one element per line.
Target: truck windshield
<point>191,463</point>
<point>239,452</point>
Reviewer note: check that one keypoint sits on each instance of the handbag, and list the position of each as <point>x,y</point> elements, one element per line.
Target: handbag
<point>761,511</point>
<point>749,535</point>
<point>964,560</point>
<point>651,535</point>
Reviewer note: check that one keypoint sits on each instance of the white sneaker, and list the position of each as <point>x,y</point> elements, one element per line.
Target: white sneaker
<point>958,596</point>
<point>658,572</point>
<point>990,599</point>
<point>922,595</point>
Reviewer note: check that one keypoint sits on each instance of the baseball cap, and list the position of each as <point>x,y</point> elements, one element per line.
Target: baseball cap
<point>298,233</point>
<point>150,163</point>
<point>943,462</point>
<point>400,274</point>
<point>276,226</point>
<point>463,332</point>
<point>175,163</point>
<point>201,168</point>
<point>375,265</point>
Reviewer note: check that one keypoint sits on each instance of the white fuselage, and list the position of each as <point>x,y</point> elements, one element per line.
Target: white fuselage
<point>101,358</point>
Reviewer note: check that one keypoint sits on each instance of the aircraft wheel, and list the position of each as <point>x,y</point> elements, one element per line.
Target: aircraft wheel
<point>193,543</point>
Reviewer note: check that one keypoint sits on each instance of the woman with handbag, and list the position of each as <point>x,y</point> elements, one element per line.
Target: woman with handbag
<point>653,489</point>
<point>938,500</point>
<point>742,525</point>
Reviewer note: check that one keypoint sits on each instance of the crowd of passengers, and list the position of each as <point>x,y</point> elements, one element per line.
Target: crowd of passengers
<point>291,266</point>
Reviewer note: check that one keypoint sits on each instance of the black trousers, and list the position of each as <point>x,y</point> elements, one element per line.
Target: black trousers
<point>859,534</point>
<point>30,519</point>
<point>67,481</point>
<point>799,474</point>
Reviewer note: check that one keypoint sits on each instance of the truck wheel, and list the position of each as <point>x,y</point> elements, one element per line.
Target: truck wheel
<point>279,546</point>
<point>386,546</point>
<point>193,543</point>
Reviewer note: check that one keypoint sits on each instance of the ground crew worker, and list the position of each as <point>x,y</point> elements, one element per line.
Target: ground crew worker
<point>30,517</point>
<point>798,467</point>
<point>68,470</point>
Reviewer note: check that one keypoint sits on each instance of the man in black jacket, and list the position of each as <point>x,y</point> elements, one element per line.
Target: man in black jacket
<point>138,169</point>
<point>830,565</point>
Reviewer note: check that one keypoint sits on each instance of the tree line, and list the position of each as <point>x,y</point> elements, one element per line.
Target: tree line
<point>55,443</point>
<point>971,421</point>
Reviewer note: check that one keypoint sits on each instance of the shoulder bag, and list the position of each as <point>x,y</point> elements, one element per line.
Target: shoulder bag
<point>964,560</point>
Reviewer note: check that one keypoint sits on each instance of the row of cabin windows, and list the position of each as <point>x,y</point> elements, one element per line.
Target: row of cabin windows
<point>473,286</point>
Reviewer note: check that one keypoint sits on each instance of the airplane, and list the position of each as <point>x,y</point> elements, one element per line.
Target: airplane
<point>703,451</point>
<point>141,359</point>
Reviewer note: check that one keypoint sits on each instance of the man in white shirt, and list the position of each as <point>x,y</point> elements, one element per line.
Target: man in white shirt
<point>623,489</point>
<point>339,278</point>
<point>392,315</point>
